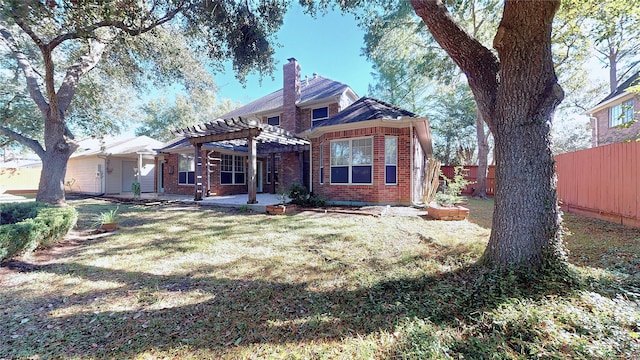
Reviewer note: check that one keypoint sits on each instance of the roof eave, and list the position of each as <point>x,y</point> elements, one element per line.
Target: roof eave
<point>607,103</point>
<point>398,123</point>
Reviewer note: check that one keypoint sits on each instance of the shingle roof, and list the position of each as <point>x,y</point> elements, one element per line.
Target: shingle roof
<point>313,89</point>
<point>622,88</point>
<point>365,109</point>
<point>116,146</point>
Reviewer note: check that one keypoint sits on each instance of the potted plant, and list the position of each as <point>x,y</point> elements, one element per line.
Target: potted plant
<point>281,207</point>
<point>445,205</point>
<point>107,220</point>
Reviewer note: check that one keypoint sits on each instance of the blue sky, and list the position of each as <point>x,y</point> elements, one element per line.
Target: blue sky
<point>329,45</point>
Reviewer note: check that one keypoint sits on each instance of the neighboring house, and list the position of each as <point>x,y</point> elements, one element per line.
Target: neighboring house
<point>314,131</point>
<point>614,119</point>
<point>111,165</point>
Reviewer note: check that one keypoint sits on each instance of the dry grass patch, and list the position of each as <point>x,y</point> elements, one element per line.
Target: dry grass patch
<point>189,282</point>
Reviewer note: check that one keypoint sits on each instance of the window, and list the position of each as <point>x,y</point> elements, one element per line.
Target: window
<point>277,161</point>
<point>186,169</point>
<point>232,169</point>
<point>319,113</point>
<point>621,113</point>
<point>274,120</point>
<point>352,161</point>
<point>390,160</point>
<point>321,163</point>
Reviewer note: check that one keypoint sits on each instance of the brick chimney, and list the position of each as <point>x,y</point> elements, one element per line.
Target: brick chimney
<point>290,96</point>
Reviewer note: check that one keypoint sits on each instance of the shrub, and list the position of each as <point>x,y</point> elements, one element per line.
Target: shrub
<point>452,188</point>
<point>298,194</point>
<point>39,226</point>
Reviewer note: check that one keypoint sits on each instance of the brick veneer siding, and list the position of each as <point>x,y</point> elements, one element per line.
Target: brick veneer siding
<point>305,114</point>
<point>290,95</point>
<point>608,135</point>
<point>378,192</point>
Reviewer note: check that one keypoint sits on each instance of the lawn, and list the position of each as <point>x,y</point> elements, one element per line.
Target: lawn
<point>187,282</point>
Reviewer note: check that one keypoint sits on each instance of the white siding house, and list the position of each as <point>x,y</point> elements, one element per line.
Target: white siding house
<point>111,165</point>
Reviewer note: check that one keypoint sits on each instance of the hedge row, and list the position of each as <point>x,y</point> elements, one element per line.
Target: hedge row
<point>35,225</point>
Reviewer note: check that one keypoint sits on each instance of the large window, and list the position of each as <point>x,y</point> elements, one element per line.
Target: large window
<point>320,113</point>
<point>273,120</point>
<point>352,161</point>
<point>390,160</point>
<point>277,161</point>
<point>621,113</point>
<point>186,169</point>
<point>232,170</point>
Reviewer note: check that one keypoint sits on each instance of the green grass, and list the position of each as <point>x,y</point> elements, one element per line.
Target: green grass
<point>184,282</point>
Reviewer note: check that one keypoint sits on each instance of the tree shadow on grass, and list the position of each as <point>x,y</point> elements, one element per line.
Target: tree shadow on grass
<point>239,312</point>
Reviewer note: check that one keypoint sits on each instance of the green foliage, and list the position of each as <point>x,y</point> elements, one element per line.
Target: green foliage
<point>316,200</point>
<point>11,213</point>
<point>135,188</point>
<point>104,217</point>
<point>49,225</point>
<point>298,194</point>
<point>452,188</point>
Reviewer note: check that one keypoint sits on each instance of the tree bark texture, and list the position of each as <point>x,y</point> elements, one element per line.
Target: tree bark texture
<point>480,187</point>
<point>517,96</point>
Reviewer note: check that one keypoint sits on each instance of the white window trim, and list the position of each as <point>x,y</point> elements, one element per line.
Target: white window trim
<point>233,170</point>
<point>351,161</point>
<point>624,107</point>
<point>321,173</point>
<point>191,157</point>
<point>385,160</point>
<point>320,107</point>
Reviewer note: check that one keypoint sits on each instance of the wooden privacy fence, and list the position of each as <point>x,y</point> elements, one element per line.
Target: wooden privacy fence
<point>472,175</point>
<point>602,182</point>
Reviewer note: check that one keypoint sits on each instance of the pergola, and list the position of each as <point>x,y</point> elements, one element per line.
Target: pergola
<point>257,136</point>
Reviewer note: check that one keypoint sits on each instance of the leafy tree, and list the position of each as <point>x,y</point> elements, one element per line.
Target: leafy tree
<point>453,120</point>
<point>161,116</point>
<point>516,91</point>
<point>56,44</point>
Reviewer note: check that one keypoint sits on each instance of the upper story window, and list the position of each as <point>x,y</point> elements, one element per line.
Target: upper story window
<point>621,113</point>
<point>273,120</point>
<point>320,113</point>
<point>186,169</point>
<point>352,161</point>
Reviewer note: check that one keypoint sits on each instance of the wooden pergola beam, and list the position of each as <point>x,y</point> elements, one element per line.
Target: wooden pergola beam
<point>233,135</point>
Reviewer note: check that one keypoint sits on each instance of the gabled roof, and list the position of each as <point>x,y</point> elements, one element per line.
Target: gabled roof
<point>365,109</point>
<point>620,91</point>
<point>311,90</point>
<point>110,145</point>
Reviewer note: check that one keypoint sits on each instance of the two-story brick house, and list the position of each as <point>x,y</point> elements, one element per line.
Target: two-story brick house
<point>314,131</point>
<point>614,119</point>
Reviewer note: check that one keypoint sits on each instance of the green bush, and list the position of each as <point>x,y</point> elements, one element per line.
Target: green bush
<point>298,194</point>
<point>38,226</point>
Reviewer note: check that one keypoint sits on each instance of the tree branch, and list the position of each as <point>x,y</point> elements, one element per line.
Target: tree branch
<point>25,65</point>
<point>70,83</point>
<point>30,143</point>
<point>479,64</point>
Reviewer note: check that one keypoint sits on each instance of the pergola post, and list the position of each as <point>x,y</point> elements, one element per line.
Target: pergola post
<point>198,172</point>
<point>251,142</point>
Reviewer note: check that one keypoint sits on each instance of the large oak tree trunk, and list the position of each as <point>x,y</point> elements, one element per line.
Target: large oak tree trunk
<point>517,96</point>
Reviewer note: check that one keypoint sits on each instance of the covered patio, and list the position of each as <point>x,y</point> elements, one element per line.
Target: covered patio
<point>259,138</point>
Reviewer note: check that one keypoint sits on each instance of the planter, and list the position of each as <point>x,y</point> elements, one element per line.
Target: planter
<point>448,212</point>
<point>110,226</point>
<point>276,209</point>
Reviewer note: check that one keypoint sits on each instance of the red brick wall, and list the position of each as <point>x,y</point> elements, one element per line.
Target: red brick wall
<point>378,192</point>
<point>305,115</point>
<point>290,94</point>
<point>609,135</point>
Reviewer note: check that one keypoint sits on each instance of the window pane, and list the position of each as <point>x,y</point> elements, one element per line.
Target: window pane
<point>182,177</point>
<point>239,178</point>
<point>226,163</point>
<point>391,150</point>
<point>191,177</point>
<point>274,120</point>
<point>186,162</point>
<point>339,153</point>
<point>361,174</point>
<point>321,175</point>
<point>340,175</point>
<point>390,174</point>
<point>239,164</point>
<point>362,152</point>
<point>320,113</point>
<point>226,178</point>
